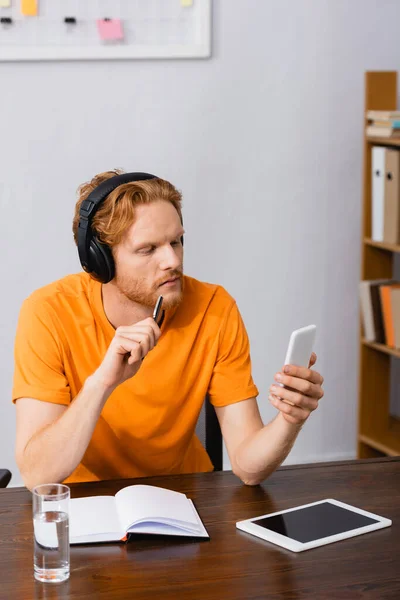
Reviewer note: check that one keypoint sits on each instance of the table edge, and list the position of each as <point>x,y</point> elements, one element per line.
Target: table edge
<point>294,467</point>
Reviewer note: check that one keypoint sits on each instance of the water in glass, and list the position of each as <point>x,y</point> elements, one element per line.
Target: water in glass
<point>51,546</point>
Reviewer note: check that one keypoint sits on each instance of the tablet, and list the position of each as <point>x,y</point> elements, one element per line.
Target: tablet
<point>313,525</point>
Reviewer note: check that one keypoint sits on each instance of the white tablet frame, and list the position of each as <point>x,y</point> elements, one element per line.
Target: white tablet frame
<point>250,526</point>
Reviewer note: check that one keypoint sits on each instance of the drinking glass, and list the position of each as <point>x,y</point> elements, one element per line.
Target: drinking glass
<point>50,504</point>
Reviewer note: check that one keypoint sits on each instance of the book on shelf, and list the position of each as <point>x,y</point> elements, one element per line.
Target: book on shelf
<point>371,311</point>
<point>134,509</point>
<point>379,131</point>
<point>396,316</point>
<point>388,123</point>
<point>383,123</point>
<point>382,115</point>
<point>388,311</point>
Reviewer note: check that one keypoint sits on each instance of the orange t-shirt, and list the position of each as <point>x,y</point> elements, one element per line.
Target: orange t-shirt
<point>147,426</point>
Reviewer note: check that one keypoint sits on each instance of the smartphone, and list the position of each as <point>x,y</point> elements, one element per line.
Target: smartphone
<point>301,344</point>
<point>300,348</point>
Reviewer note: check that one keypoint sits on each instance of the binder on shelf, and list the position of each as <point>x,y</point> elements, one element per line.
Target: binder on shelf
<point>378,189</point>
<point>391,217</point>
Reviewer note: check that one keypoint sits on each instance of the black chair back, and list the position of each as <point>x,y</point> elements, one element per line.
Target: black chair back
<point>5,476</point>
<point>209,433</point>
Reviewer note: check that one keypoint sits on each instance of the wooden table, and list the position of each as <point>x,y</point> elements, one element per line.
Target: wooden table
<point>232,564</point>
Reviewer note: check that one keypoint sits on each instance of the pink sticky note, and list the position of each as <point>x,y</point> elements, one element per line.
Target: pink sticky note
<point>110,29</point>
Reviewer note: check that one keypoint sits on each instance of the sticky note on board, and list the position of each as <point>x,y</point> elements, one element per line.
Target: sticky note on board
<point>29,8</point>
<point>5,3</point>
<point>110,29</point>
<point>186,2</point>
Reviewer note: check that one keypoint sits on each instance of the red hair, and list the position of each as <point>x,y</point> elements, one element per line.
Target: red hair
<point>117,212</point>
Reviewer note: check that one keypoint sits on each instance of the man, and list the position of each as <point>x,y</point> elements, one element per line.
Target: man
<point>102,391</point>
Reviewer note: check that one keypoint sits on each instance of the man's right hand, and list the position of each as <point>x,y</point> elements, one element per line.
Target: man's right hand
<point>124,356</point>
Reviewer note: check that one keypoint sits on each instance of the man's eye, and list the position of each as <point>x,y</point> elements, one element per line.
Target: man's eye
<point>147,250</point>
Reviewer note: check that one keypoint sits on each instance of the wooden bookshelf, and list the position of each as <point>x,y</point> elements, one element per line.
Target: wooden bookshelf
<point>378,431</point>
<point>382,245</point>
<point>382,348</point>
<point>381,141</point>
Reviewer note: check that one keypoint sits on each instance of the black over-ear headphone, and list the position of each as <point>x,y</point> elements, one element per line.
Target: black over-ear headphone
<point>96,257</point>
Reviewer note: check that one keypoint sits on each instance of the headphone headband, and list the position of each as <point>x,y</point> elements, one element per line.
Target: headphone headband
<point>95,257</point>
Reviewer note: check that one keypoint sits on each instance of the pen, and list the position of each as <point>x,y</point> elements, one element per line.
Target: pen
<point>157,310</point>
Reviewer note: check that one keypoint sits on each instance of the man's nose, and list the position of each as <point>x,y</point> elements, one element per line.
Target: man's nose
<point>170,258</point>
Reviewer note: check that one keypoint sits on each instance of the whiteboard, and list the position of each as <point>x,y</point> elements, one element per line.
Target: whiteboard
<point>152,29</point>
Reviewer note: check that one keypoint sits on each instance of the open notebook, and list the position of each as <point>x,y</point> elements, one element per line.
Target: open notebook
<point>134,509</point>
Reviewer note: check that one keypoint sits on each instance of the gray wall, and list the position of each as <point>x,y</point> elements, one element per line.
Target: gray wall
<point>264,140</point>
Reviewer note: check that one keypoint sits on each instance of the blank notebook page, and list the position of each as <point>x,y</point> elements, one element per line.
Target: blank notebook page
<point>93,516</point>
<point>139,502</point>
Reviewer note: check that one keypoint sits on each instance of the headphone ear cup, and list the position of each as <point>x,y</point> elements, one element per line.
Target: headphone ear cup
<point>101,261</point>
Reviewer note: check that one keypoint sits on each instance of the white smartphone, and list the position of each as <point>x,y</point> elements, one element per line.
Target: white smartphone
<point>300,346</point>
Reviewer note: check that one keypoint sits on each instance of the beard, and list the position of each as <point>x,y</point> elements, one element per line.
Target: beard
<point>140,292</point>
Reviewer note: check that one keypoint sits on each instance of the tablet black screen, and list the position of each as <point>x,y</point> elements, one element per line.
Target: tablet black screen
<point>315,522</point>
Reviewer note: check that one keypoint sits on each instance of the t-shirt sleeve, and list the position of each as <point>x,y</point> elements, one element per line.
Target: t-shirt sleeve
<point>231,380</point>
<point>38,367</point>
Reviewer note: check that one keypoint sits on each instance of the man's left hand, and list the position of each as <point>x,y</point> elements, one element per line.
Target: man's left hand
<point>301,394</point>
